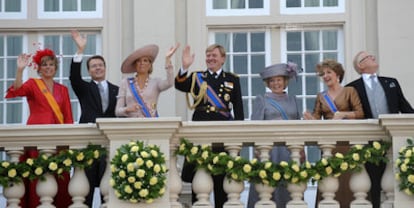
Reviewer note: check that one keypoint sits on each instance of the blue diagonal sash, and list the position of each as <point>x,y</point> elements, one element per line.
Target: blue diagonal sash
<point>278,107</point>
<point>139,99</point>
<point>212,96</point>
<point>330,102</point>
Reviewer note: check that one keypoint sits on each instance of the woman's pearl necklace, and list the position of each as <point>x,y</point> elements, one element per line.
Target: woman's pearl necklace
<point>137,85</point>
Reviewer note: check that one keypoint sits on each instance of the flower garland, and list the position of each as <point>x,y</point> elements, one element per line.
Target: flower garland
<point>273,174</point>
<point>405,168</point>
<point>138,172</point>
<point>36,168</point>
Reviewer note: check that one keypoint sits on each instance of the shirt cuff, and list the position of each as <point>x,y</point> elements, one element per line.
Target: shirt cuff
<point>77,58</point>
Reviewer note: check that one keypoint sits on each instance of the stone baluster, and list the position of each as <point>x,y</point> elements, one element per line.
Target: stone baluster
<point>231,187</point>
<point>15,191</point>
<point>360,184</point>
<point>104,185</point>
<point>264,191</point>
<point>328,186</point>
<point>296,190</point>
<point>175,183</point>
<point>47,189</point>
<point>78,188</point>
<point>387,182</point>
<point>202,186</point>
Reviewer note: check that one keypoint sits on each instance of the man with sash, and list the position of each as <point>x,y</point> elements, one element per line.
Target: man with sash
<point>217,96</point>
<point>97,99</point>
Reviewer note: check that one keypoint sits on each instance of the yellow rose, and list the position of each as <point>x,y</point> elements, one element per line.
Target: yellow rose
<point>209,167</point>
<point>230,164</point>
<point>234,176</point>
<point>283,164</point>
<point>403,168</point>
<point>29,161</point>
<point>154,153</point>
<point>140,173</point>
<point>132,200</point>
<point>38,171</point>
<point>90,161</point>
<point>26,174</point>
<point>303,174</point>
<point>182,147</point>
<point>339,155</point>
<point>143,193</point>
<point>80,156</point>
<point>204,155</point>
<point>253,161</point>
<point>137,185</point>
<point>149,163</point>
<point>96,154</point>
<point>376,145</point>
<point>295,167</point>
<point>5,164</point>
<point>12,173</point>
<point>124,158</point>
<point>67,162</point>
<point>287,176</point>
<point>162,191</point>
<point>144,154</point>
<point>367,154</point>
<point>276,176</point>
<point>149,201</point>
<point>317,176</point>
<point>153,180</point>
<point>131,179</point>
<point>411,178</point>
<point>215,160</point>
<point>408,192</point>
<point>132,143</point>
<point>130,167</point>
<point>262,174</point>
<point>265,182</point>
<point>337,175</point>
<point>134,149</point>
<point>44,157</point>
<point>237,158</point>
<point>247,168</point>
<point>295,180</point>
<point>352,166</point>
<point>355,156</point>
<point>308,165</point>
<point>127,189</point>
<point>117,194</point>
<point>164,168</point>
<point>397,162</point>
<point>112,182</point>
<point>70,152</point>
<point>268,165</point>
<point>60,171</point>
<point>408,153</point>
<point>397,176</point>
<point>52,166</point>
<point>204,146</point>
<point>157,168</point>
<point>358,147</point>
<point>194,150</point>
<point>113,168</point>
<point>328,170</point>
<point>139,161</point>
<point>324,161</point>
<point>344,166</point>
<point>406,161</point>
<point>122,174</point>
<point>222,154</point>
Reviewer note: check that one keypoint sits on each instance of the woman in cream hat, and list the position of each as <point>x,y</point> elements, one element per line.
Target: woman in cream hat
<point>138,95</point>
<point>276,105</point>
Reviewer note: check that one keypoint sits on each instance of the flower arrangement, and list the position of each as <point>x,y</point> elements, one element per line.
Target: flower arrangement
<point>138,172</point>
<point>36,168</point>
<point>273,174</point>
<point>405,168</point>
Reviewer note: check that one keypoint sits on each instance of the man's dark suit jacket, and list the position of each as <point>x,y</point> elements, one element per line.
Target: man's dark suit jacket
<point>89,97</point>
<point>396,104</point>
<point>393,93</point>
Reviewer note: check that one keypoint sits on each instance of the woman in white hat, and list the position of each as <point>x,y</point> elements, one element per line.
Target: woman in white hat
<point>276,105</point>
<point>138,95</point>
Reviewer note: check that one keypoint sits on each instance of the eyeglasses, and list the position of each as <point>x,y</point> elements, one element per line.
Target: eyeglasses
<point>366,57</point>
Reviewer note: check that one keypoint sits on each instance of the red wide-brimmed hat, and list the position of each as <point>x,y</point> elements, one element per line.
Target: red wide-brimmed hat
<point>151,51</point>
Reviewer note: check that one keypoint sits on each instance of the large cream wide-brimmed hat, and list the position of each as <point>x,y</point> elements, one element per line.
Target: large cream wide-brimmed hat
<point>151,51</point>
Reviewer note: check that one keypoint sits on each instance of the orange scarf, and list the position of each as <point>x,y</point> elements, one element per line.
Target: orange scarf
<point>50,99</point>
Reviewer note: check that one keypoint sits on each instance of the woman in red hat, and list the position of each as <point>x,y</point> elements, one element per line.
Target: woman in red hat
<point>49,103</point>
<point>138,95</point>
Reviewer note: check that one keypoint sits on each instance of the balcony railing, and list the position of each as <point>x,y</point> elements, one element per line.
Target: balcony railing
<point>263,135</point>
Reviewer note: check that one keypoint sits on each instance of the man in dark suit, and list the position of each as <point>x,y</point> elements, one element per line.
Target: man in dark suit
<point>216,95</point>
<point>97,99</point>
<point>379,95</point>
